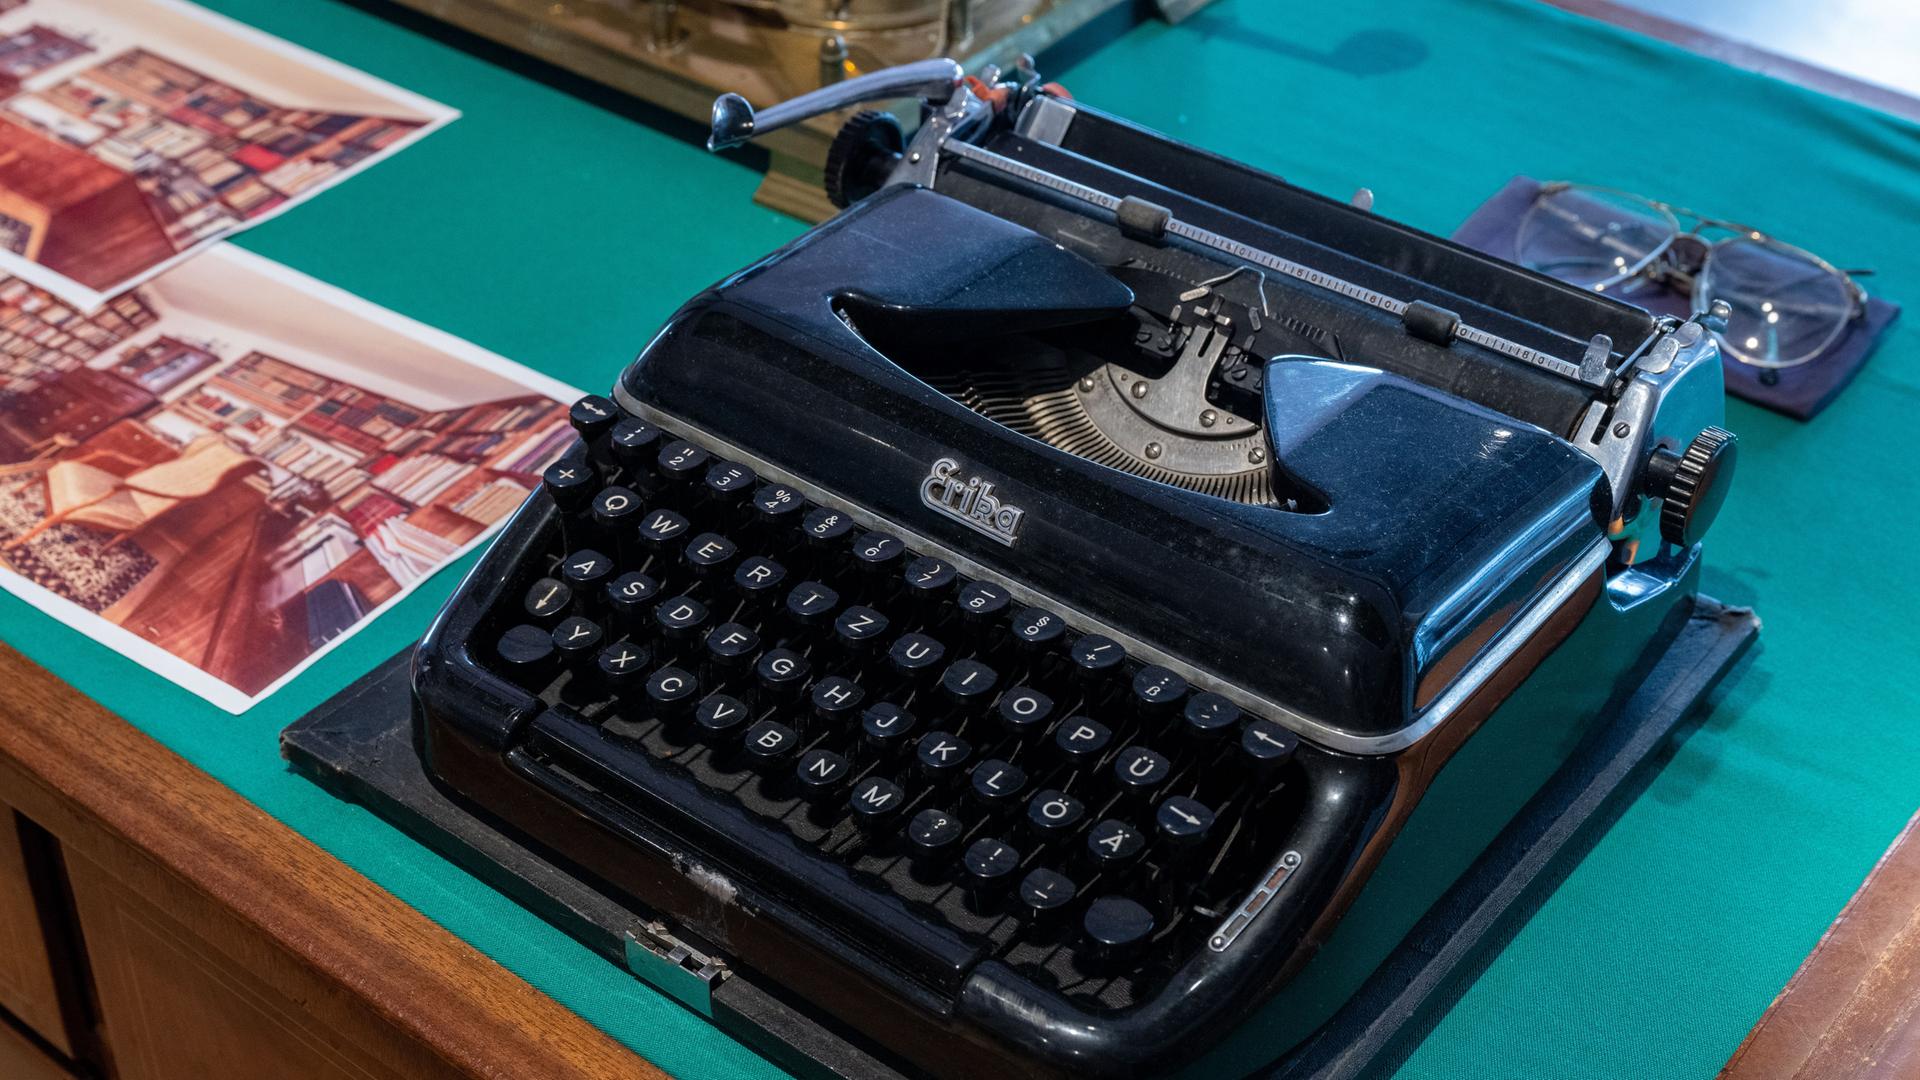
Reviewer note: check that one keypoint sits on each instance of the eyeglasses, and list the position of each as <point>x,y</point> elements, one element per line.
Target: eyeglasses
<point>1788,306</point>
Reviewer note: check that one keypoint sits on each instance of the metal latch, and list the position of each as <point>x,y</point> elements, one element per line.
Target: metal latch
<point>675,968</point>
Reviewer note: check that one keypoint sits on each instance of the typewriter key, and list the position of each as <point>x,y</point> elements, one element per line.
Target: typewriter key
<point>1035,630</point>
<point>1024,711</point>
<point>727,483</point>
<point>1265,746</point>
<point>571,483</point>
<point>680,462</point>
<point>593,416</point>
<point>632,443</point>
<point>576,639</point>
<point>758,580</point>
<point>878,553</point>
<point>1116,929</point>
<point>1114,847</point>
<point>928,581</point>
<point>1208,719</point>
<point>986,870</point>
<point>630,597</point>
<point>527,652</point>
<point>1081,741</point>
<point>876,803</point>
<point>940,757</point>
<point>932,838</point>
<point>729,647</point>
<point>884,728</point>
<point>1094,656</point>
<point>826,529</point>
<point>782,674</point>
<point>1044,896</point>
<point>660,529</point>
<point>982,603</point>
<point>709,554</point>
<point>1052,815</point>
<point>615,511</point>
<point>915,657</point>
<point>586,571</point>
<point>996,785</point>
<point>859,630</point>
<point>547,600</point>
<point>967,684</point>
<point>775,504</point>
<point>768,746</point>
<point>670,692</point>
<point>820,775</point>
<point>680,618</point>
<point>1139,772</point>
<point>1156,691</point>
<point>622,665</point>
<point>809,603</point>
<point>719,719</point>
<point>1182,824</point>
<point>836,700</point>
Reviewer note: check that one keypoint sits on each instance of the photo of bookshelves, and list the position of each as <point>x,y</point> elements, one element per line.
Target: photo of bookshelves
<point>133,132</point>
<point>207,154</point>
<point>368,477</point>
<point>41,336</point>
<point>284,493</point>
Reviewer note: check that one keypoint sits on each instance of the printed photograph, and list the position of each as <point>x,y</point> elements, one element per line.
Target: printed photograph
<point>133,134</point>
<point>225,471</point>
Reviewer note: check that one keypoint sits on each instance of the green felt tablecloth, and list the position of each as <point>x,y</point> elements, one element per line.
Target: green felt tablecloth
<point>560,234</point>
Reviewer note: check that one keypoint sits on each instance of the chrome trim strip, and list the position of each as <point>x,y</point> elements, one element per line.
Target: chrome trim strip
<point>1256,899</point>
<point>1236,249</point>
<point>1503,648</point>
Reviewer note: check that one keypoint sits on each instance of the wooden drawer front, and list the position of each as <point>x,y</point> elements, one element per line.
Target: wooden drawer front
<point>28,987</point>
<point>174,1007</point>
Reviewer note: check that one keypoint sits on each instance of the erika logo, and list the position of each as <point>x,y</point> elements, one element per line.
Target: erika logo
<point>971,502</point>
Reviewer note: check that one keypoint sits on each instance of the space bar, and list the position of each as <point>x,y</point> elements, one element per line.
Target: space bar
<point>806,889</point>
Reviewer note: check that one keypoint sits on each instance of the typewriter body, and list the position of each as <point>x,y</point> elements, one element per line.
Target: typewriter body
<point>1018,617</point>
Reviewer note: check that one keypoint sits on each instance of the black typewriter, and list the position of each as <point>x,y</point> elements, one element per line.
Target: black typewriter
<point>1017,618</point>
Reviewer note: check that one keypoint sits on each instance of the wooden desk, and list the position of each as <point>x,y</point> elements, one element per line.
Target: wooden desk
<point>153,925</point>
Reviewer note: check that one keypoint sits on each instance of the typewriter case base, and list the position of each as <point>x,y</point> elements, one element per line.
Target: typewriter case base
<point>1460,563</point>
<point>359,746</point>
<point>989,1036</point>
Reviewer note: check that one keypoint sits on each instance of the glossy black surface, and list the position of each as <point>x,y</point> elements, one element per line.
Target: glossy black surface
<point>1437,500</point>
<point>1331,615</point>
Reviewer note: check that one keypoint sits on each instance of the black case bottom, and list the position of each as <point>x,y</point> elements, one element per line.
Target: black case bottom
<point>359,745</point>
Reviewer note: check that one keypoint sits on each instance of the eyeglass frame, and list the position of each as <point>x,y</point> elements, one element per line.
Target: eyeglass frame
<point>1675,276</point>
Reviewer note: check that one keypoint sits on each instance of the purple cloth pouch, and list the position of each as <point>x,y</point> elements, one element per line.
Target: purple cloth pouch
<point>1799,392</point>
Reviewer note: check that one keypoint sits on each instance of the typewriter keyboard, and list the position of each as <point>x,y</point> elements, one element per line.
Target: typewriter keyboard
<point>1085,816</point>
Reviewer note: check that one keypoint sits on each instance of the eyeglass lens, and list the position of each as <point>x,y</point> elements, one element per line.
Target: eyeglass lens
<point>1786,306</point>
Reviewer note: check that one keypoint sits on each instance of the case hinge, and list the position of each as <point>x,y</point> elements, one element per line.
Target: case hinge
<point>675,968</point>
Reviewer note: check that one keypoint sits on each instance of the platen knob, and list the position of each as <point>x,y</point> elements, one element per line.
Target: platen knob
<point>861,155</point>
<point>1693,484</point>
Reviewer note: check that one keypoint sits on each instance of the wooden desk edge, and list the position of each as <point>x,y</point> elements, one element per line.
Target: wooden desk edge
<point>1851,1009</point>
<point>188,843</point>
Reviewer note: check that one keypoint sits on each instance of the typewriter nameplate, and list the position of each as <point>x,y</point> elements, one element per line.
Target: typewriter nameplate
<point>971,502</point>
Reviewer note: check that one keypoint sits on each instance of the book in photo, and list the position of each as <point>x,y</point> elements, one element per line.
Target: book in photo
<point>134,134</point>
<point>225,472</point>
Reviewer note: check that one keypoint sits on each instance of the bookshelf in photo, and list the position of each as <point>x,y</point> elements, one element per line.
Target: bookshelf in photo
<point>42,336</point>
<point>382,492</point>
<point>209,155</point>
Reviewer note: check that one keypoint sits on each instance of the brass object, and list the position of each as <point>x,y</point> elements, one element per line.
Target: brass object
<point>680,53</point>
